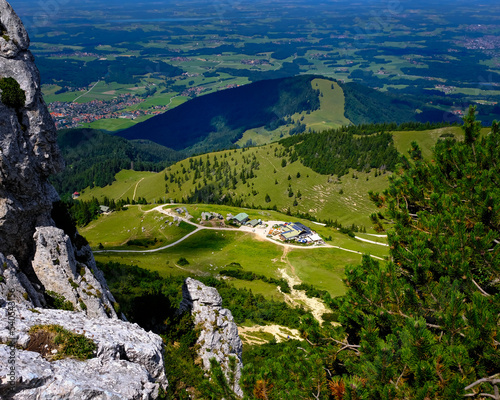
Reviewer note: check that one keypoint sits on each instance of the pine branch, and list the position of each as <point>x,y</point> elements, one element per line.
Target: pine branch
<point>345,346</point>
<point>400,376</point>
<point>483,292</point>
<point>493,380</point>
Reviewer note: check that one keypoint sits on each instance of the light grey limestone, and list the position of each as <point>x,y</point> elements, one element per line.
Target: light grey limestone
<point>58,270</point>
<point>36,256</point>
<point>128,364</point>
<point>15,286</point>
<point>219,337</point>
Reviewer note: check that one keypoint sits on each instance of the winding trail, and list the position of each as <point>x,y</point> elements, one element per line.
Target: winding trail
<point>173,97</point>
<point>299,297</point>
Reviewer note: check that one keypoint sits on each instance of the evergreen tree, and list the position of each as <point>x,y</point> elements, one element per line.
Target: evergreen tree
<point>425,325</point>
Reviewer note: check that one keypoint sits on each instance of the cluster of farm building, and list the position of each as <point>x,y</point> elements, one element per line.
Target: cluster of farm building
<point>294,231</point>
<point>283,231</point>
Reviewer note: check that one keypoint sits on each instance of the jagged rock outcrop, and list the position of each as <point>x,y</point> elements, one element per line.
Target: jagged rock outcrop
<point>218,333</point>
<point>128,363</point>
<point>46,258</point>
<point>43,260</point>
<point>16,286</point>
<point>57,268</point>
<point>28,148</point>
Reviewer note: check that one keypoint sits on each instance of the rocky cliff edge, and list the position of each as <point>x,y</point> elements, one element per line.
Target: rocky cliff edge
<point>44,262</point>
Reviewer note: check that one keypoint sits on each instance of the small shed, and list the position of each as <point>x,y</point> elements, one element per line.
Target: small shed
<point>104,209</point>
<point>254,222</point>
<point>315,237</point>
<point>241,218</point>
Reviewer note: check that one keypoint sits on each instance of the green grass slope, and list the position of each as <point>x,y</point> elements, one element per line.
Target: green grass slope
<point>330,114</point>
<point>210,251</point>
<point>323,196</point>
<point>134,229</point>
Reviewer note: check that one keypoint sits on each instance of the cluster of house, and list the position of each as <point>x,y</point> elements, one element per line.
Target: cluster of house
<point>295,231</point>
<point>207,216</point>
<point>183,210</point>
<point>244,219</point>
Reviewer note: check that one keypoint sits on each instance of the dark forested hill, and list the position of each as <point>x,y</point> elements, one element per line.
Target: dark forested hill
<point>217,120</point>
<point>364,105</point>
<point>93,158</point>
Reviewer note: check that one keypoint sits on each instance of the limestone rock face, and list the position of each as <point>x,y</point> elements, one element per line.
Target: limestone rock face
<point>16,36</point>
<point>57,268</point>
<point>16,286</point>
<point>43,254</point>
<point>28,147</point>
<point>128,363</point>
<point>219,334</point>
<point>37,258</point>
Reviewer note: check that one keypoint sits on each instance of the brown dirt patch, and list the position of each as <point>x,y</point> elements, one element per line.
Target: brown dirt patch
<point>42,342</point>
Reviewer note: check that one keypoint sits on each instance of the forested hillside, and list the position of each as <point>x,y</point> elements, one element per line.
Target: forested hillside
<point>366,105</point>
<point>336,151</point>
<point>217,120</point>
<point>94,157</point>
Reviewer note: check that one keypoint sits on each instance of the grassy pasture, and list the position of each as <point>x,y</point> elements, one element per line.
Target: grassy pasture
<point>326,198</point>
<point>113,231</point>
<point>210,251</point>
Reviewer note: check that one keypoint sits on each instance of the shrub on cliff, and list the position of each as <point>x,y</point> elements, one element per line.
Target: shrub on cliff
<point>12,94</point>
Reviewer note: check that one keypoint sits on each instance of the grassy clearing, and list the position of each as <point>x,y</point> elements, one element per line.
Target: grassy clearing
<point>116,124</point>
<point>323,268</point>
<point>267,290</point>
<point>118,228</point>
<point>330,115</point>
<point>338,239</point>
<point>426,139</point>
<point>208,252</point>
<point>331,112</point>
<point>123,187</point>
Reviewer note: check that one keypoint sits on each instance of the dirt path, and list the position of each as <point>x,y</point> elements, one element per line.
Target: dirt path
<point>299,297</point>
<point>87,92</point>
<point>135,190</point>
<point>371,241</point>
<point>281,333</point>
<point>269,161</point>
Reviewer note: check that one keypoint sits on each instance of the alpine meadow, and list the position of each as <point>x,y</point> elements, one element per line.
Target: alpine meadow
<point>252,200</point>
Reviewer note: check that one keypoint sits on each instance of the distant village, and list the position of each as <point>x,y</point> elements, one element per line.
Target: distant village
<point>72,115</point>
